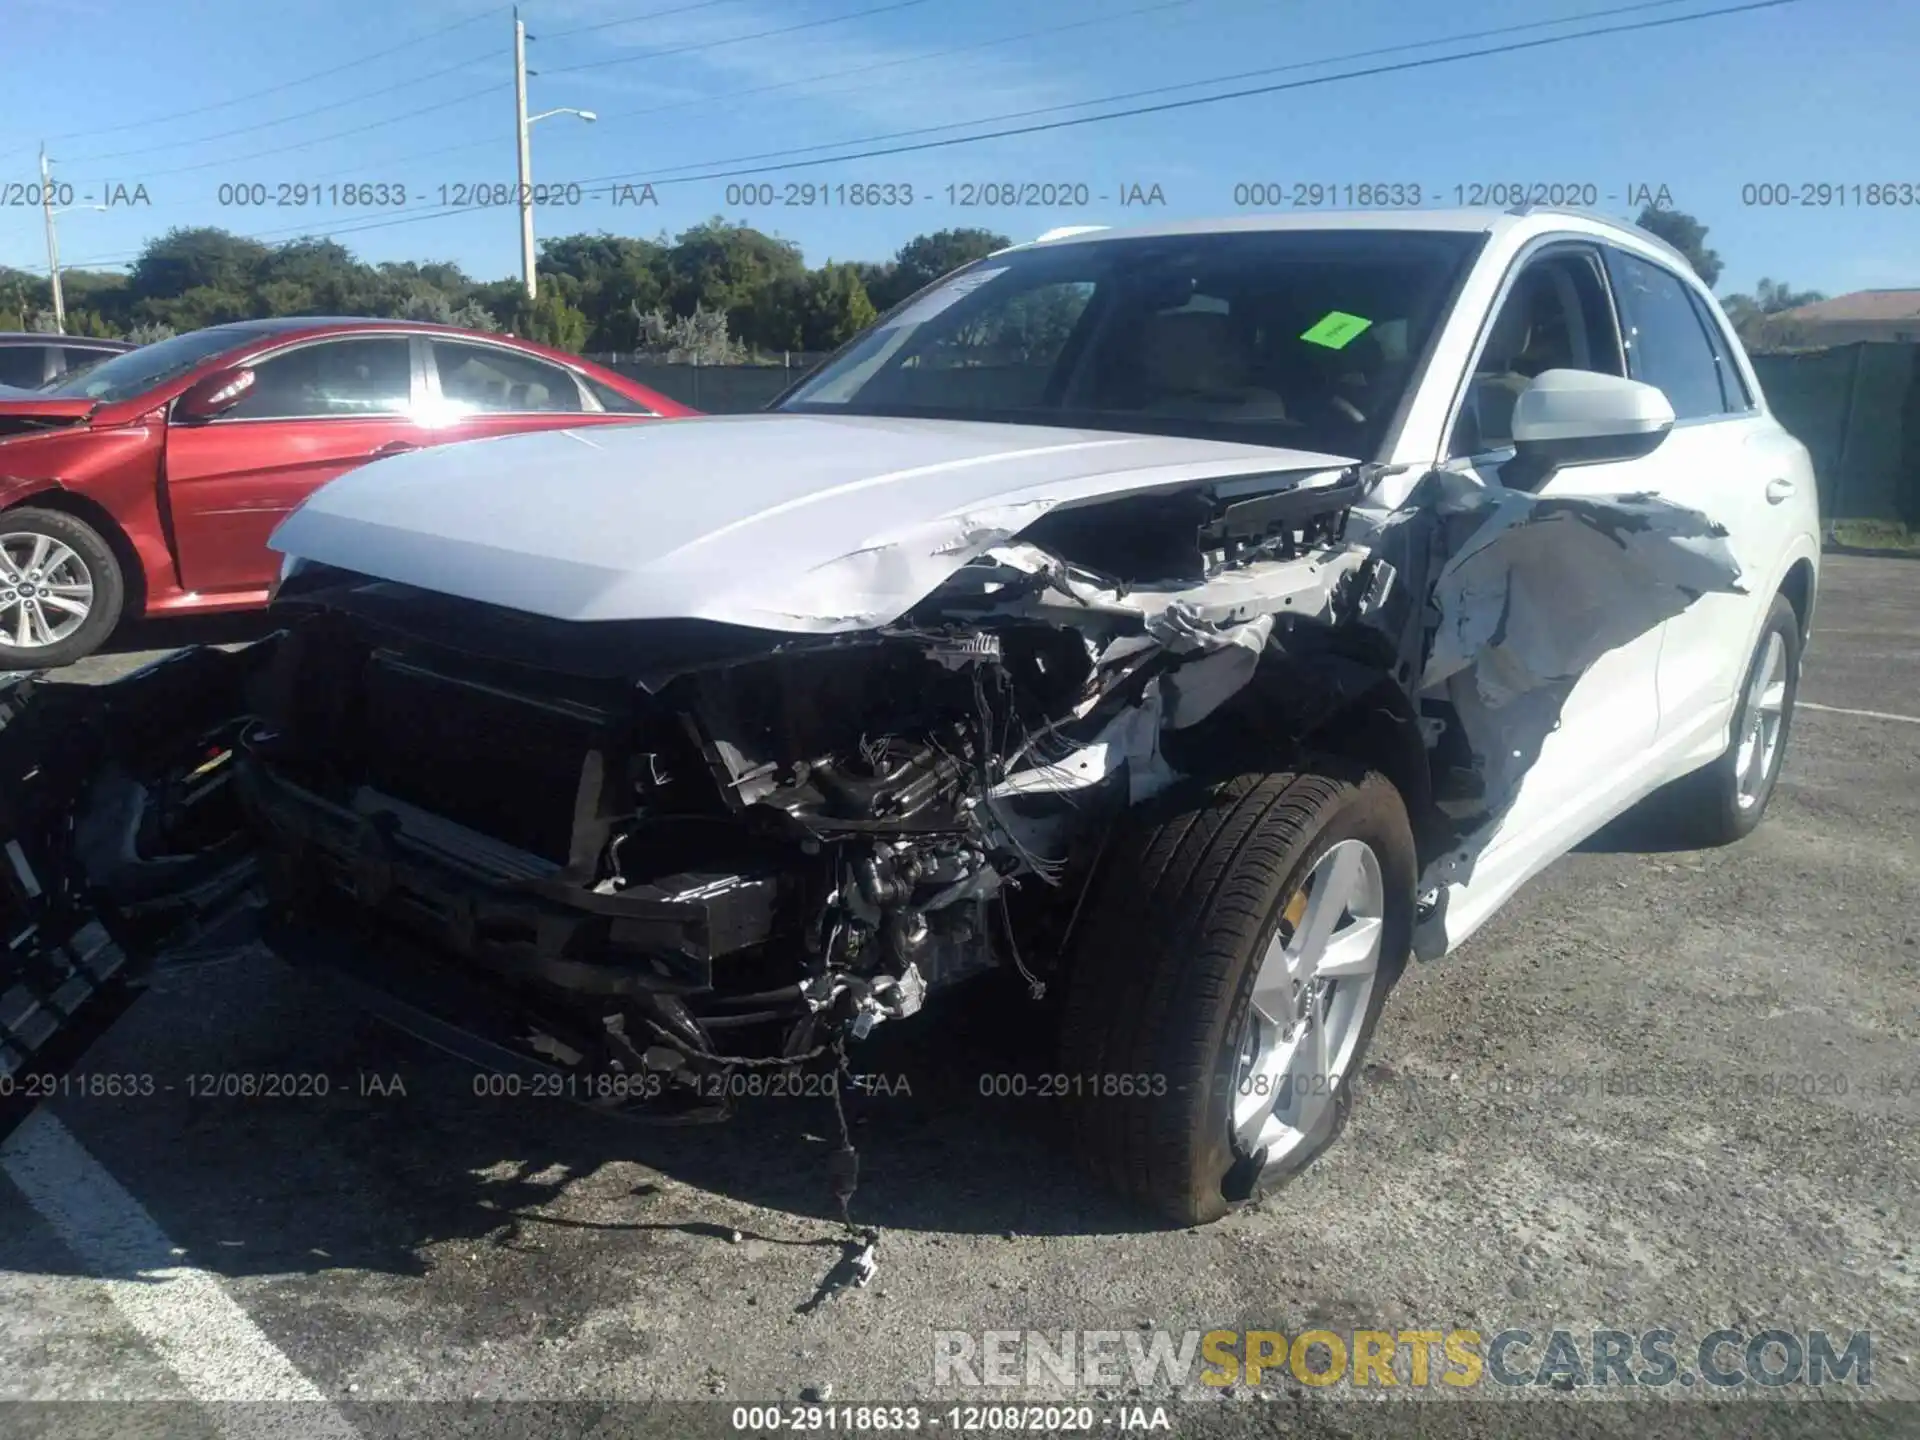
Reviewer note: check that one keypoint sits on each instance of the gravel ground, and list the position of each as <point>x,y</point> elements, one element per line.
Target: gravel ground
<point>1661,1088</point>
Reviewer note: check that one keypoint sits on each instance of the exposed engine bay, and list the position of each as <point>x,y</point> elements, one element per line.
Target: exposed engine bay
<point>654,852</point>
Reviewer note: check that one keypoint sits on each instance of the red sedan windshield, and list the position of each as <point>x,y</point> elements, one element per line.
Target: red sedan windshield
<point>125,376</point>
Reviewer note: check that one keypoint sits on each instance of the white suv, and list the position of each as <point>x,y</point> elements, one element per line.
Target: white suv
<point>1197,621</point>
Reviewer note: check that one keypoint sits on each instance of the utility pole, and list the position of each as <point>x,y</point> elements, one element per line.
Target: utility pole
<point>522,123</point>
<point>521,126</point>
<point>53,243</point>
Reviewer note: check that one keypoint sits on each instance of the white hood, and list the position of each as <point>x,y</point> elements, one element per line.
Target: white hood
<point>787,522</point>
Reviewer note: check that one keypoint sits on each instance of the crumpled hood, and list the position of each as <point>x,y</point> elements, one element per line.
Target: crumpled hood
<point>788,522</point>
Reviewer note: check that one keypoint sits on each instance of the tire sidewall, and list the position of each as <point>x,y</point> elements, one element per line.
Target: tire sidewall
<point>1737,819</point>
<point>109,589</point>
<point>1369,810</point>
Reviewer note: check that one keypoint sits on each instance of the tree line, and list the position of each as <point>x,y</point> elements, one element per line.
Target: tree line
<point>717,292</point>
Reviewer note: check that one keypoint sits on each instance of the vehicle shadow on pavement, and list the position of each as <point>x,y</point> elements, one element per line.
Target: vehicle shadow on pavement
<point>403,1153</point>
<point>173,632</point>
<point>1658,825</point>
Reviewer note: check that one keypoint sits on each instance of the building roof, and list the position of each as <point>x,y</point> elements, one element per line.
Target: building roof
<point>1860,305</point>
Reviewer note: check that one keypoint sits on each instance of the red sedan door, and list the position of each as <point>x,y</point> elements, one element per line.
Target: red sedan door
<point>316,410</point>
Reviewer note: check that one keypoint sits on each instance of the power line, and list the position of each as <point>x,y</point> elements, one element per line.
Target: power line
<point>461,99</point>
<point>812,79</point>
<point>630,20</point>
<point>411,83</point>
<point>1395,67</point>
<point>353,64</point>
<point>913,60</point>
<point>458,99</point>
<point>1170,89</point>
<point>735,39</point>
<point>1198,100</point>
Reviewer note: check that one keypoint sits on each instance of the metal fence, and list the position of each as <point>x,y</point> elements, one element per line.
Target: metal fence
<point>715,389</point>
<point>1857,410</point>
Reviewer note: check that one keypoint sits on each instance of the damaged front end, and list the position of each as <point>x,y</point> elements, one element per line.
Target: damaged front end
<point>655,852</point>
<point>651,853</point>
<point>119,838</point>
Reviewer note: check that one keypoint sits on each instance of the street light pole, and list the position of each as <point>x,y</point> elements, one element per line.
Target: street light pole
<point>521,126</point>
<point>53,244</point>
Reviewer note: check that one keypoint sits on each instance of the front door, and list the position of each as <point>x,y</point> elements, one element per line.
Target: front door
<point>316,410</point>
<point>1556,315</point>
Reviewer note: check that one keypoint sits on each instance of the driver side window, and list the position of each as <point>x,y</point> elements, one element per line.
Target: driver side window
<point>1555,317</point>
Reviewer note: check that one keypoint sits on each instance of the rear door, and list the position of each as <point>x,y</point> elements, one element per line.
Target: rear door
<point>1725,458</point>
<point>316,410</point>
<point>476,390</point>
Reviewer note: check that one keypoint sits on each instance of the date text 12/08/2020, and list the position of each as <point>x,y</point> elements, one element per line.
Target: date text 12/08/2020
<point>1478,194</point>
<point>970,194</point>
<point>966,1419</point>
<point>390,195</point>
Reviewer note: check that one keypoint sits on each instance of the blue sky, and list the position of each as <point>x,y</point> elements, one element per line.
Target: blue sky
<point>1818,91</point>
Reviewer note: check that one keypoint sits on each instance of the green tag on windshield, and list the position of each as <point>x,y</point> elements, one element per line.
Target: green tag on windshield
<point>1336,329</point>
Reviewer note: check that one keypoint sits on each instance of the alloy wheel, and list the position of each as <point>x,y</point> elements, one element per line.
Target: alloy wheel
<point>1309,1004</point>
<point>1765,713</point>
<point>46,590</point>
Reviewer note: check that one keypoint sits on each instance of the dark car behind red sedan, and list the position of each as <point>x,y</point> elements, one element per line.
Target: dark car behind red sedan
<point>147,484</point>
<point>29,360</point>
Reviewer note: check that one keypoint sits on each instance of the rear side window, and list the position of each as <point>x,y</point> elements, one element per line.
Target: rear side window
<point>22,366</point>
<point>1667,345</point>
<point>490,379</point>
<point>611,400</point>
<point>1734,395</point>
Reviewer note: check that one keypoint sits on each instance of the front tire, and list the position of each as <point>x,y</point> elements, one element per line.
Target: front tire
<point>61,590</point>
<point>1236,952</point>
<point>1724,801</point>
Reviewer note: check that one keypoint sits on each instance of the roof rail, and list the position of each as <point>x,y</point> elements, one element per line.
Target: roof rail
<point>1063,231</point>
<point>1532,208</point>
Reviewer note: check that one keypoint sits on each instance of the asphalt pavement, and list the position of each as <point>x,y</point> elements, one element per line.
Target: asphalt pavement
<point>1663,1088</point>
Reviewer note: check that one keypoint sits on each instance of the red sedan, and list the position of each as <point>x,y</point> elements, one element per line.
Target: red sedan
<point>147,484</point>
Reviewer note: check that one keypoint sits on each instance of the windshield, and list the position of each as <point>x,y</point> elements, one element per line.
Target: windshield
<point>1307,339</point>
<point>121,377</point>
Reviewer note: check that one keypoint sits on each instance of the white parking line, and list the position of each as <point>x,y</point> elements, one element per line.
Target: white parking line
<point>1863,714</point>
<point>220,1355</point>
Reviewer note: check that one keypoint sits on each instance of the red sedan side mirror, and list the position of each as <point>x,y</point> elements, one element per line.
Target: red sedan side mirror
<point>219,392</point>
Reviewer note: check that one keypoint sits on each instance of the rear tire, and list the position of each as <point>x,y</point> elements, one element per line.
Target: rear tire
<point>1724,801</point>
<point>1173,1098</point>
<point>61,590</point>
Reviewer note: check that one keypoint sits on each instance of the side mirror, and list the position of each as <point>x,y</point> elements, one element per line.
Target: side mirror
<point>1575,417</point>
<point>216,394</point>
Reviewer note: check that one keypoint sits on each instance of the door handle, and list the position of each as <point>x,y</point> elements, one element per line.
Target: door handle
<point>392,447</point>
<point>1778,490</point>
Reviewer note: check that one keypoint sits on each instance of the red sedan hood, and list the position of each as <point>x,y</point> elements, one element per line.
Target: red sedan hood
<point>26,414</point>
